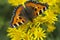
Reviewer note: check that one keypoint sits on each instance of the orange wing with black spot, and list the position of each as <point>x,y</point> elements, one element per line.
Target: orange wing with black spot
<point>18,17</point>
<point>37,6</point>
<point>24,14</point>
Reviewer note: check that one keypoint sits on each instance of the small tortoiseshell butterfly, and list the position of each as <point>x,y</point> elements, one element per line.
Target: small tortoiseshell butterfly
<point>28,13</point>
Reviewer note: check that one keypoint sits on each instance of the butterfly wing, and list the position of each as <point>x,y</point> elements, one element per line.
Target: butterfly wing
<point>24,14</point>
<point>38,7</point>
<point>19,16</point>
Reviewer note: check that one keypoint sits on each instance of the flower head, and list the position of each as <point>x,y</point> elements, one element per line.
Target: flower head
<point>50,17</point>
<point>16,2</point>
<point>15,34</point>
<point>50,2</point>
<point>50,28</point>
<point>39,33</point>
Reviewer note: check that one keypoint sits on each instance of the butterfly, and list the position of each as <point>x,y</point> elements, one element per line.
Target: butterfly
<point>28,13</point>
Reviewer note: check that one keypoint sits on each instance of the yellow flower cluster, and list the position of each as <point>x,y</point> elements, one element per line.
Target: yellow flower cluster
<point>16,2</point>
<point>50,2</point>
<point>34,31</point>
<point>26,34</point>
<point>51,28</point>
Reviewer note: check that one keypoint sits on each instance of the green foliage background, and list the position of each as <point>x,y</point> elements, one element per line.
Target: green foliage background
<point>5,15</point>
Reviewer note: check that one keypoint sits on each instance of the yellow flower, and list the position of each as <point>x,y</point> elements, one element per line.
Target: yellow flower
<point>56,8</point>
<point>50,17</point>
<point>27,36</point>
<point>15,34</point>
<point>50,28</point>
<point>39,34</point>
<point>40,19</point>
<point>50,2</point>
<point>58,1</point>
<point>16,2</point>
